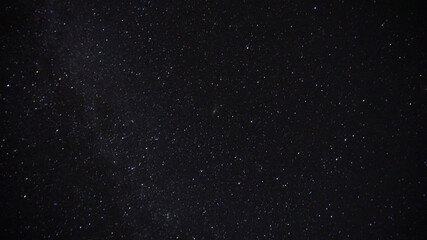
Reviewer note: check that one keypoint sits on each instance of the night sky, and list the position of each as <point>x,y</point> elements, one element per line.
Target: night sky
<point>213,120</point>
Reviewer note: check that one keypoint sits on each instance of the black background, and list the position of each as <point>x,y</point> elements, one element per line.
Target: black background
<point>212,120</point>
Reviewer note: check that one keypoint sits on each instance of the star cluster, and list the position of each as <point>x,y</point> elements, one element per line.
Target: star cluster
<point>212,120</point>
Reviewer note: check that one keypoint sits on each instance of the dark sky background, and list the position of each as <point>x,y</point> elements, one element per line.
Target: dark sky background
<point>212,120</point>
